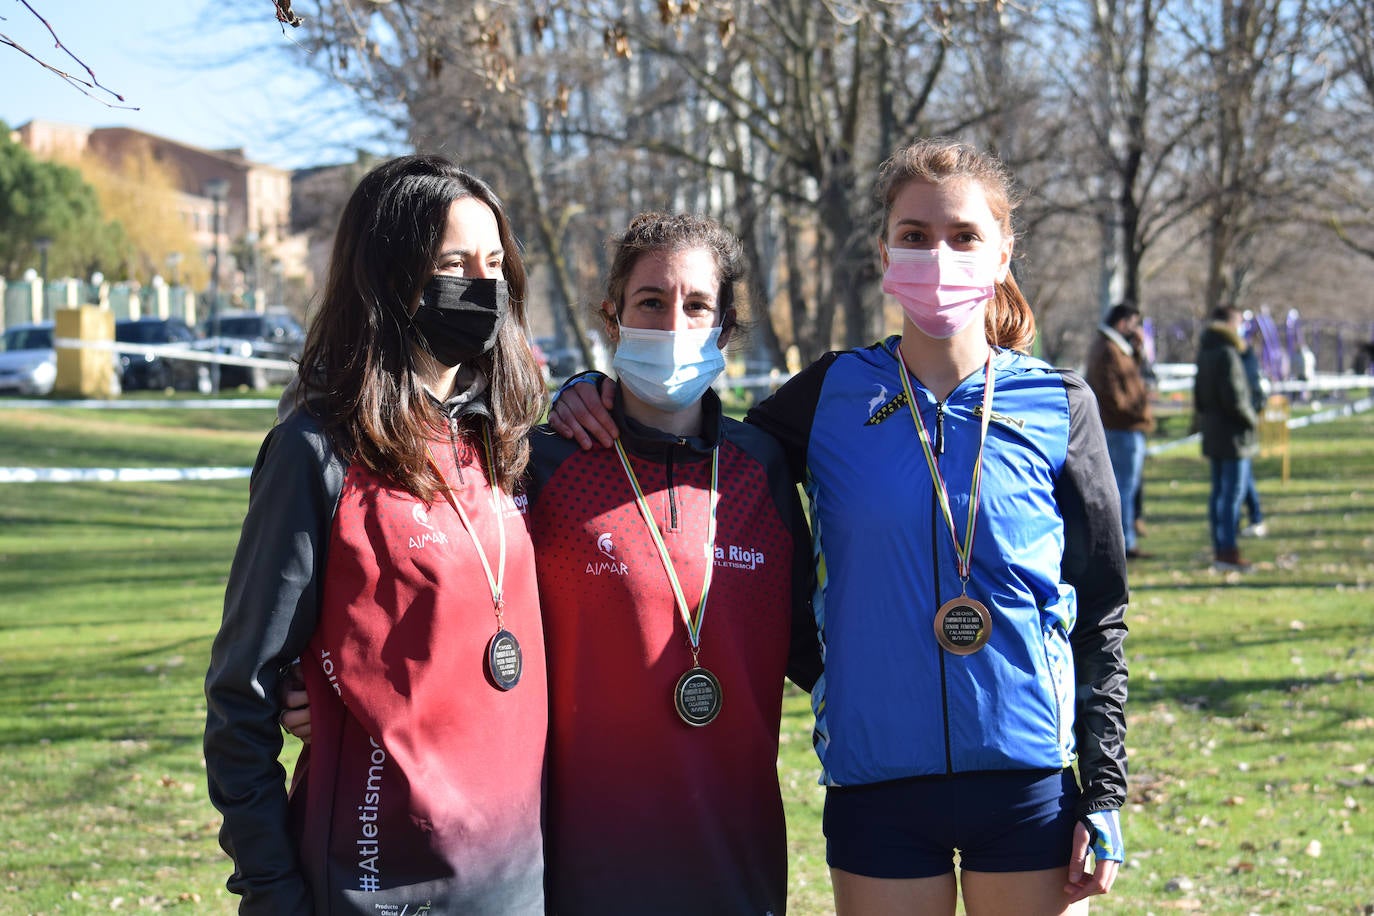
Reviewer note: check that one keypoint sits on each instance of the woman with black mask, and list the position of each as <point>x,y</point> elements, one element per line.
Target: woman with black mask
<point>384,549</point>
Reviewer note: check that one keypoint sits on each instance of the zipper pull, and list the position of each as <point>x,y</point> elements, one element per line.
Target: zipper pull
<point>939,446</point>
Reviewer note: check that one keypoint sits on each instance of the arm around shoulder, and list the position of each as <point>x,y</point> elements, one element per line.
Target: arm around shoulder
<point>788,413</point>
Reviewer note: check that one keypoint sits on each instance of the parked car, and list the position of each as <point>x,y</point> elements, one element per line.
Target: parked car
<point>561,361</point>
<point>158,371</point>
<point>28,364</point>
<point>268,335</point>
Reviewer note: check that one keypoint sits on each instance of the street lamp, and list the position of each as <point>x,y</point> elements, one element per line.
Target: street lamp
<point>250,274</point>
<point>43,243</point>
<point>217,189</point>
<point>278,281</point>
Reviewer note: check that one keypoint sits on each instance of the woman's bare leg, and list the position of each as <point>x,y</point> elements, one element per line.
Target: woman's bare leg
<point>856,895</point>
<point>1019,893</point>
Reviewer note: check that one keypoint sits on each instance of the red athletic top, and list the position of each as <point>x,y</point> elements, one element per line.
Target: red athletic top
<point>421,790</point>
<point>426,774</point>
<point>647,814</point>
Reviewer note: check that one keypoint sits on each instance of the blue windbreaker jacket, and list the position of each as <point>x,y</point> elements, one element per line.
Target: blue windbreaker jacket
<point>1048,561</point>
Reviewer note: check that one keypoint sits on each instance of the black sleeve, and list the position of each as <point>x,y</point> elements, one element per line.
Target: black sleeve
<point>804,649</point>
<point>804,652</point>
<point>548,451</point>
<point>787,414</point>
<point>1095,565</point>
<point>270,611</point>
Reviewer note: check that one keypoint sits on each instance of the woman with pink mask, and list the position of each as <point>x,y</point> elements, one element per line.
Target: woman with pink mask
<point>971,570</point>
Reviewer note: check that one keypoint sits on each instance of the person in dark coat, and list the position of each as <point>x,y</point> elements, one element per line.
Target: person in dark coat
<point>1228,422</point>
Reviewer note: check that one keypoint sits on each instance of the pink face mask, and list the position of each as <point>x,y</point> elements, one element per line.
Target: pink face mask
<point>940,290</point>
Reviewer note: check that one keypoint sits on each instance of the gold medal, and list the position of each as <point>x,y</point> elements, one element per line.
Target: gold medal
<point>963,625</point>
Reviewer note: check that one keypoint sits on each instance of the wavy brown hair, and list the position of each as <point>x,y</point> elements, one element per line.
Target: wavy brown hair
<point>1008,320</point>
<point>358,372</point>
<point>652,232</point>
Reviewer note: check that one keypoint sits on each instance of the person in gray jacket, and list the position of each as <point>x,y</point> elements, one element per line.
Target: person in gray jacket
<point>1228,422</point>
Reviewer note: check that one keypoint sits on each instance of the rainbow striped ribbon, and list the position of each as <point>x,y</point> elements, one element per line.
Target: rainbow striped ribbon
<point>963,553</point>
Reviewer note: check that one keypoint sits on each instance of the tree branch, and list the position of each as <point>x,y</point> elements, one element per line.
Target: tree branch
<point>86,87</point>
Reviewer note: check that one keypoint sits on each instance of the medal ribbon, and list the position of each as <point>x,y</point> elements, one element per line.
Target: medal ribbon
<point>497,582</point>
<point>963,552</point>
<point>693,627</point>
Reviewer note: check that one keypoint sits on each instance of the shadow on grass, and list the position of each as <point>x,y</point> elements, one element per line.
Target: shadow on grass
<point>143,694</point>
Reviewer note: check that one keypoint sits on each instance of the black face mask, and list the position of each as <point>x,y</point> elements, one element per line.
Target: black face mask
<point>459,317</point>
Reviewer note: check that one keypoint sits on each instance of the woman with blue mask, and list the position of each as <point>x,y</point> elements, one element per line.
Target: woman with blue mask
<point>674,577</point>
<point>384,548</point>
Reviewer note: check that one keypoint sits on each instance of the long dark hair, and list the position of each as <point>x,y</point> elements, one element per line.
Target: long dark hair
<point>358,369</point>
<point>1008,320</point>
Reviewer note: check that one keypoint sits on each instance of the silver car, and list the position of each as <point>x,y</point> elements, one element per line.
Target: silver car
<point>28,363</point>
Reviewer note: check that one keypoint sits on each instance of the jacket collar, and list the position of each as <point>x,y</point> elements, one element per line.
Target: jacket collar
<point>1227,333</point>
<point>1115,337</point>
<point>469,397</point>
<point>649,442</point>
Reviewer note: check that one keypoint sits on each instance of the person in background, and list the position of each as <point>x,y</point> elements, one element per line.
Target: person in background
<point>1123,401</point>
<point>1226,417</point>
<point>971,575</point>
<point>383,548</point>
<point>1147,371</point>
<point>1254,377</point>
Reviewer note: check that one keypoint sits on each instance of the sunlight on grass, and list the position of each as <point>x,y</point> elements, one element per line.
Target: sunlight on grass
<point>1251,714</point>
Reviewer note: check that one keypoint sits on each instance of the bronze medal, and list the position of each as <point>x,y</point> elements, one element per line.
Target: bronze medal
<point>963,625</point>
<point>697,696</point>
<point>504,661</point>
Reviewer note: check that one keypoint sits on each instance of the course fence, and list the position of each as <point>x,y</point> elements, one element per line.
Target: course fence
<point>1173,381</point>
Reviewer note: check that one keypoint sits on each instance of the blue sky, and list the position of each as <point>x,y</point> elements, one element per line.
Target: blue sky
<point>192,79</point>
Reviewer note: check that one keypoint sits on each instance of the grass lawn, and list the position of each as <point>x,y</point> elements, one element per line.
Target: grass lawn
<point>1251,713</point>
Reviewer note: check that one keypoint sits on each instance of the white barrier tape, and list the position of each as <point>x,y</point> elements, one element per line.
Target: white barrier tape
<point>176,351</point>
<point>1335,413</point>
<point>118,475</point>
<point>1322,381</point>
<point>139,404</point>
<point>1321,416</point>
<point>1160,448</point>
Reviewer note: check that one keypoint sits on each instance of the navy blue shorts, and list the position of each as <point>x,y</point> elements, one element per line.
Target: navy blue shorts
<point>910,828</point>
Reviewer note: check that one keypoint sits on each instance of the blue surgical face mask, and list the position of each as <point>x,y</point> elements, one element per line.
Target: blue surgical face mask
<point>668,370</point>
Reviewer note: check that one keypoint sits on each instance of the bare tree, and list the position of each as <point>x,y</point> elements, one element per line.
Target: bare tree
<point>773,116</point>
<point>1140,128</point>
<point>1263,64</point>
<point>1139,116</point>
<point>1349,202</point>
